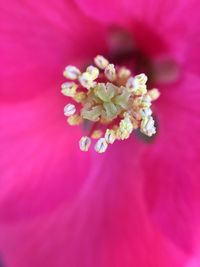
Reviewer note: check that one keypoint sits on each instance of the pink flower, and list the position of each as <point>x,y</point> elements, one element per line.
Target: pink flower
<point>136,205</point>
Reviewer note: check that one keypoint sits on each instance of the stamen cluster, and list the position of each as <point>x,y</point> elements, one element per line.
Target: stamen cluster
<point>114,102</point>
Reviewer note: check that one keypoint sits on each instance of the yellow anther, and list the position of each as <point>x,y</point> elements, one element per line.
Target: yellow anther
<point>93,71</point>
<point>110,72</point>
<point>145,101</point>
<point>142,102</point>
<point>74,120</point>
<point>124,73</point>
<point>154,94</point>
<point>125,128</point>
<point>69,89</point>
<point>97,134</point>
<point>140,90</point>
<point>84,143</point>
<point>140,79</point>
<point>86,80</point>
<point>110,136</point>
<point>71,72</point>
<point>101,145</point>
<point>147,126</point>
<point>101,62</point>
<point>69,110</point>
<point>79,97</point>
<point>137,84</point>
<point>140,87</point>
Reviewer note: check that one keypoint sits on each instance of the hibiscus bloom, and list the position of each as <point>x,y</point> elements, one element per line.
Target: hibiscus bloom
<point>137,204</point>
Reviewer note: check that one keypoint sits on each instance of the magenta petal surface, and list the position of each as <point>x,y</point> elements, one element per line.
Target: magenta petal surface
<point>152,12</point>
<point>37,148</point>
<point>38,39</point>
<point>137,205</point>
<point>150,21</point>
<point>107,224</point>
<point>171,165</point>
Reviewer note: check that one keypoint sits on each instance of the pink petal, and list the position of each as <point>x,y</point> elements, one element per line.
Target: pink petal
<point>35,130</point>
<point>38,39</point>
<point>156,26</point>
<point>77,215</point>
<point>171,164</point>
<point>106,11</point>
<point>152,12</point>
<point>106,225</point>
<point>37,148</point>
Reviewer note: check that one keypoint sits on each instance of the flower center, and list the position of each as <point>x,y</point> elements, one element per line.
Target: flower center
<point>110,100</point>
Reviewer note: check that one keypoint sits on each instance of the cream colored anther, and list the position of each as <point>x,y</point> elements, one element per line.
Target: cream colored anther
<point>101,145</point>
<point>69,89</point>
<point>71,72</point>
<point>93,71</point>
<point>110,72</point>
<point>86,80</point>
<point>110,136</point>
<point>101,62</point>
<point>147,126</point>
<point>84,143</point>
<point>69,110</point>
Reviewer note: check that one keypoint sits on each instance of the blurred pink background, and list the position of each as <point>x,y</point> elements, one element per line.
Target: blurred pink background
<point>138,204</point>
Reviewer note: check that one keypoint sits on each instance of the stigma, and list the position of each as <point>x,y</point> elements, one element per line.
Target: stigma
<point>109,99</point>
